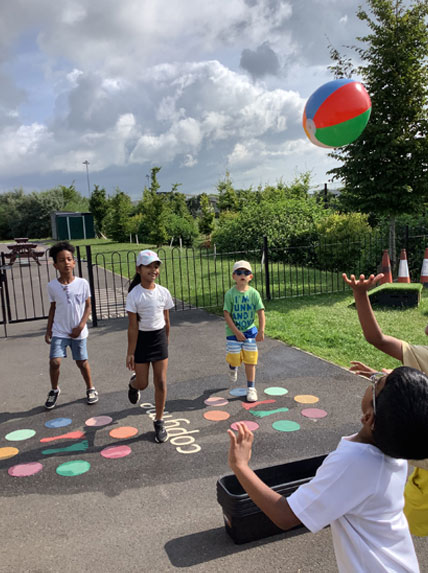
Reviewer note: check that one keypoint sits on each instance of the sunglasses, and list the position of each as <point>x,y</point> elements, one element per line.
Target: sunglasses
<point>245,272</point>
<point>374,379</point>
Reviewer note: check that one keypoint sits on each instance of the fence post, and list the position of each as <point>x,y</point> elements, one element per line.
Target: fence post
<point>91,285</point>
<point>266,260</point>
<point>79,261</point>
<point>3,303</point>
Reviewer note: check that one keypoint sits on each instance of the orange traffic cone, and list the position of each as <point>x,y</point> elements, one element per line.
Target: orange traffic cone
<point>386,268</point>
<point>403,269</point>
<point>424,271</point>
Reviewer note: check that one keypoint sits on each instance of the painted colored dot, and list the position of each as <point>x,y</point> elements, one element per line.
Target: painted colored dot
<point>249,423</point>
<point>19,435</point>
<point>216,415</point>
<point>306,399</point>
<point>123,432</point>
<point>276,391</point>
<point>216,401</point>
<point>115,452</point>
<point>73,468</point>
<point>6,453</point>
<point>99,421</point>
<point>58,422</point>
<point>25,470</point>
<point>314,413</point>
<point>285,426</point>
<point>238,392</point>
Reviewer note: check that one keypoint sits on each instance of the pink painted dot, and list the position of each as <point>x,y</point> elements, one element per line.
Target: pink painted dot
<point>249,423</point>
<point>115,452</point>
<point>315,413</point>
<point>123,432</point>
<point>99,421</point>
<point>216,401</point>
<point>24,470</point>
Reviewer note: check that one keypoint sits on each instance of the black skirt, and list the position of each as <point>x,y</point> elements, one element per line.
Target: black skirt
<point>152,346</point>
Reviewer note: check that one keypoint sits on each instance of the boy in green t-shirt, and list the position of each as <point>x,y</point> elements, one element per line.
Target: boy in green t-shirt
<point>241,303</point>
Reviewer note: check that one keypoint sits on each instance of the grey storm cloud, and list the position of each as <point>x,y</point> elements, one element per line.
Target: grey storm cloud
<point>261,62</point>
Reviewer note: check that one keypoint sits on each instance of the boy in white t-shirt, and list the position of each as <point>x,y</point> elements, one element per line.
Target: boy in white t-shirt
<point>358,489</point>
<point>70,300</point>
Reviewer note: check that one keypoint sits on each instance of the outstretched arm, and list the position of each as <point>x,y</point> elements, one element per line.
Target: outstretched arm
<point>274,505</point>
<point>371,329</point>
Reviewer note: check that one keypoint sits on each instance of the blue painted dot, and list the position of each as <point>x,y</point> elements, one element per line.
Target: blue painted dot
<point>58,422</point>
<point>238,392</point>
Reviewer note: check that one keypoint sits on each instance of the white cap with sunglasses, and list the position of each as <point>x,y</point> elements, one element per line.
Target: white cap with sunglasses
<point>147,257</point>
<point>242,265</point>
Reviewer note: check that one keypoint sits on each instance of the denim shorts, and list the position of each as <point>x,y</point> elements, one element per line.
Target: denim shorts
<point>77,345</point>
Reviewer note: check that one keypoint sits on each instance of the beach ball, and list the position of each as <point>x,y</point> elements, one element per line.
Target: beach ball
<point>337,113</point>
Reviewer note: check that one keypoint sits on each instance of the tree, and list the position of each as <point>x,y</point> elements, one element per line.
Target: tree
<point>117,218</point>
<point>385,170</point>
<point>98,205</point>
<point>206,221</point>
<point>227,200</point>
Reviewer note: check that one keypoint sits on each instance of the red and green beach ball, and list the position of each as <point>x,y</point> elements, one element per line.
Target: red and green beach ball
<point>337,113</point>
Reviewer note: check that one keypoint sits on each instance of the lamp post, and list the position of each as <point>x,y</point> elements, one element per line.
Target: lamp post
<point>86,162</point>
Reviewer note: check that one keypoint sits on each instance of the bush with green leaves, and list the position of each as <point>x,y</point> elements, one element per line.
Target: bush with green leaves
<point>347,243</point>
<point>185,227</point>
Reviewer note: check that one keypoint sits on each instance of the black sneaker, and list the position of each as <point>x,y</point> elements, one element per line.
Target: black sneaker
<point>91,396</point>
<point>133,393</point>
<point>52,398</point>
<point>161,434</point>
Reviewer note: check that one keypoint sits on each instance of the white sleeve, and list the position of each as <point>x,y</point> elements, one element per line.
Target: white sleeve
<point>51,293</point>
<point>340,484</point>
<point>87,289</point>
<point>169,303</point>
<point>130,303</point>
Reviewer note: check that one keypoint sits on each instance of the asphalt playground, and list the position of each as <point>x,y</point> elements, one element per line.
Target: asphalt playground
<point>143,506</point>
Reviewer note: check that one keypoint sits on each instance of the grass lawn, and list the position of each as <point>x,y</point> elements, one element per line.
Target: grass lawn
<point>328,326</point>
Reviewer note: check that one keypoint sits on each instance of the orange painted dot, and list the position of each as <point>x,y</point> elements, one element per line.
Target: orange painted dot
<point>123,432</point>
<point>306,399</point>
<point>216,415</point>
<point>6,453</point>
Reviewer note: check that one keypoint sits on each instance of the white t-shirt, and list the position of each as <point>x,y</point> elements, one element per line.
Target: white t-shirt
<point>149,304</point>
<point>70,301</point>
<point>358,490</point>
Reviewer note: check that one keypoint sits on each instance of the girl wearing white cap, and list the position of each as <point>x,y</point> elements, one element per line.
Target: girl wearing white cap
<point>148,306</point>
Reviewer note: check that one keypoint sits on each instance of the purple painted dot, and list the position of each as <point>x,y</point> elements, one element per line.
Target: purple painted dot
<point>25,470</point>
<point>249,423</point>
<point>115,452</point>
<point>314,413</point>
<point>216,401</point>
<point>99,421</point>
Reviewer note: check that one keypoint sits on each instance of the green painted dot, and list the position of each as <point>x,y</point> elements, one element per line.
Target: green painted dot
<point>73,468</point>
<point>19,435</point>
<point>276,391</point>
<point>285,426</point>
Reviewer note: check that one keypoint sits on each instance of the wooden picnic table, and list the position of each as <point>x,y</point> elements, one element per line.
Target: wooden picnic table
<point>22,248</point>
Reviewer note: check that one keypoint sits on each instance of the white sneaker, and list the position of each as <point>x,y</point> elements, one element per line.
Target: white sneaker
<point>252,394</point>
<point>233,375</point>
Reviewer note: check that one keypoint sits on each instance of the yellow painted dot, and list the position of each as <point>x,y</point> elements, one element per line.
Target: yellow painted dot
<point>306,399</point>
<point>6,453</point>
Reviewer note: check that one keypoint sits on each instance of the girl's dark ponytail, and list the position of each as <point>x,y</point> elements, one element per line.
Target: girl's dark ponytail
<point>135,281</point>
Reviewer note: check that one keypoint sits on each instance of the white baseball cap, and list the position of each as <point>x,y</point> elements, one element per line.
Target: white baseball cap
<point>242,265</point>
<point>147,257</point>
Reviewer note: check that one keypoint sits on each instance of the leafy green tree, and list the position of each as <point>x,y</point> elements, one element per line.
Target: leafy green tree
<point>206,221</point>
<point>227,200</point>
<point>98,205</point>
<point>117,219</point>
<point>385,170</point>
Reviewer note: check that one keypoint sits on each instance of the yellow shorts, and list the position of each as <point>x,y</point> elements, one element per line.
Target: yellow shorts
<point>238,352</point>
<point>416,502</point>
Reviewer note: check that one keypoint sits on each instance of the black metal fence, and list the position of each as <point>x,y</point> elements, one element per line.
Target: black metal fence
<point>199,278</point>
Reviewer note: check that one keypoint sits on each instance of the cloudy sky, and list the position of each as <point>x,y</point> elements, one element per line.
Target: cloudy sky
<point>198,88</point>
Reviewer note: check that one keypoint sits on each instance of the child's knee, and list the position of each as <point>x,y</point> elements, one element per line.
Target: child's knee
<point>55,363</point>
<point>82,364</point>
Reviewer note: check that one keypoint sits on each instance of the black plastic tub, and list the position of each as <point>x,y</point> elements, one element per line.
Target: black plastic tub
<point>243,520</point>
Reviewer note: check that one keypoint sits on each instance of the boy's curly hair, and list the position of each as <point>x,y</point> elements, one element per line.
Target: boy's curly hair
<point>401,423</point>
<point>61,246</point>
